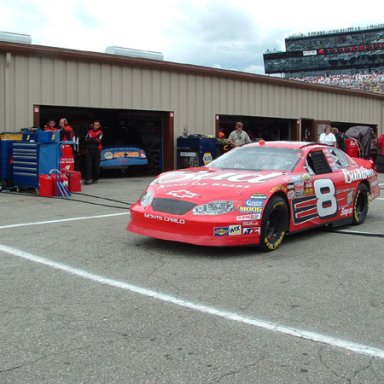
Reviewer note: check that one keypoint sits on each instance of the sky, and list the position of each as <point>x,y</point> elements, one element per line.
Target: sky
<point>228,34</point>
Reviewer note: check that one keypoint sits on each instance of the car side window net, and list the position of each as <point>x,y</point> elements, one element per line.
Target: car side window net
<point>318,163</point>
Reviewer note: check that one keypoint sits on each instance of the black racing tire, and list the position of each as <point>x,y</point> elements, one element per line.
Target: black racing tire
<point>360,205</point>
<point>274,224</point>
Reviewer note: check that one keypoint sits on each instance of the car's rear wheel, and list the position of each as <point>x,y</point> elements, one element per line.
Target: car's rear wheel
<point>360,205</point>
<point>274,224</point>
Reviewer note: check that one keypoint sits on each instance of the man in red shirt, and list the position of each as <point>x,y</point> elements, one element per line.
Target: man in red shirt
<point>93,145</point>
<point>66,133</point>
<point>50,126</point>
<point>380,144</point>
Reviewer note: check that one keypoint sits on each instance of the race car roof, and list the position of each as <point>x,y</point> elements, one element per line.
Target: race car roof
<point>281,144</point>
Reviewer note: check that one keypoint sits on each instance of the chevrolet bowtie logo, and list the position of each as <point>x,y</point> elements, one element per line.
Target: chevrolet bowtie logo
<point>182,194</point>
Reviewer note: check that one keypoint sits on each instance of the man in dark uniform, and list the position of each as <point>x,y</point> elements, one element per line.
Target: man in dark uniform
<point>93,146</point>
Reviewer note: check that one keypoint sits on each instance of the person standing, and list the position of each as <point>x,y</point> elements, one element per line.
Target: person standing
<point>340,143</point>
<point>380,144</point>
<point>238,137</point>
<point>66,133</point>
<point>94,147</point>
<point>327,137</point>
<point>50,126</point>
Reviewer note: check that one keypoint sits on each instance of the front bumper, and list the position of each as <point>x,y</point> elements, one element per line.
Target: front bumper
<point>198,230</point>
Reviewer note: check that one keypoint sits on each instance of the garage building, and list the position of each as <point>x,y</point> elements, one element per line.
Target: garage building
<point>152,102</point>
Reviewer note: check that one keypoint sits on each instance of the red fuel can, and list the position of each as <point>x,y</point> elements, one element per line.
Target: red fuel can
<point>67,161</point>
<point>352,147</point>
<point>74,181</point>
<point>45,186</point>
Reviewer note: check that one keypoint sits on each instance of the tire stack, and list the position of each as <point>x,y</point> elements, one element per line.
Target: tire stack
<point>380,163</point>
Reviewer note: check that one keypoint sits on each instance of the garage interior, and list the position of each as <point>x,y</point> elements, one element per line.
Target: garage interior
<point>266,128</point>
<point>149,130</point>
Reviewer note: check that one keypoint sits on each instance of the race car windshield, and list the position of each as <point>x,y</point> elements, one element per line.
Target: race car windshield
<point>258,159</point>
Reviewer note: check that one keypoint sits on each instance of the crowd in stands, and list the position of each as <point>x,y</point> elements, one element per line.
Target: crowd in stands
<point>371,82</point>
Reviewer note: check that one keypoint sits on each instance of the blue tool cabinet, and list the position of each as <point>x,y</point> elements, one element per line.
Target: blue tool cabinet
<point>31,159</point>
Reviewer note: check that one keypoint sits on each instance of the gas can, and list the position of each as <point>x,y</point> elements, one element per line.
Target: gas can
<point>74,180</point>
<point>45,186</point>
<point>352,147</point>
<point>67,162</point>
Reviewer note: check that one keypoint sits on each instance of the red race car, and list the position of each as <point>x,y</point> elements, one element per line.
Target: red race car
<point>256,194</point>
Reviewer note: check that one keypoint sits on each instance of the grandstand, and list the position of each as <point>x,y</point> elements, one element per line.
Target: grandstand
<point>351,57</point>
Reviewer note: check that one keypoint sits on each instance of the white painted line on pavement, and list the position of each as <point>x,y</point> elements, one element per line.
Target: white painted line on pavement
<point>379,198</point>
<point>63,220</point>
<point>268,325</point>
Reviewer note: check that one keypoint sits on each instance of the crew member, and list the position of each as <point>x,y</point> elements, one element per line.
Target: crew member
<point>50,126</point>
<point>327,137</point>
<point>93,146</point>
<point>67,133</point>
<point>238,137</point>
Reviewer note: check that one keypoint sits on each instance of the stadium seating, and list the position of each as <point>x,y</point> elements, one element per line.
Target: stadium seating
<point>371,82</point>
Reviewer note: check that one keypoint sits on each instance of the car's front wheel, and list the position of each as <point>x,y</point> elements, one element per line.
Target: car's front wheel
<point>360,205</point>
<point>274,224</point>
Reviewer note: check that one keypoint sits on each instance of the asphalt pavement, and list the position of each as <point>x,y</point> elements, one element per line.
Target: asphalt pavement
<point>85,301</point>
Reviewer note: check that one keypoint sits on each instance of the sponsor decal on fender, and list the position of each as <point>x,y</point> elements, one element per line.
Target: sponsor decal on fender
<point>350,197</point>
<point>279,188</point>
<point>251,223</point>
<point>220,231</point>
<point>235,230</point>
<point>357,174</point>
<point>256,216</point>
<point>308,191</point>
<point>254,203</point>
<point>250,231</point>
<point>346,211</point>
<point>251,209</point>
<point>259,196</point>
<point>164,218</point>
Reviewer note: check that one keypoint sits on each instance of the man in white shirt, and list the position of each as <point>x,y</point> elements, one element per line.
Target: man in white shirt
<point>327,137</point>
<point>238,137</point>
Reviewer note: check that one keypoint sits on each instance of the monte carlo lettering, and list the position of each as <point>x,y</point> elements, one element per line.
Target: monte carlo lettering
<point>164,218</point>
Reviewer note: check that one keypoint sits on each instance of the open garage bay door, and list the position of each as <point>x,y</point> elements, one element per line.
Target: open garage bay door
<point>266,128</point>
<point>149,130</point>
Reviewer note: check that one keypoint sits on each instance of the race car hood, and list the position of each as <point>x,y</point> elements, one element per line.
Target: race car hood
<point>204,184</point>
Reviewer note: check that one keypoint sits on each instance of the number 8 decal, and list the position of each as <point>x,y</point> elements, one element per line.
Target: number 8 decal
<point>326,201</point>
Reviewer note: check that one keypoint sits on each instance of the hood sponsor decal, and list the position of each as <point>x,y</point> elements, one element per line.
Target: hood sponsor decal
<point>233,177</point>
<point>182,193</point>
<point>357,174</point>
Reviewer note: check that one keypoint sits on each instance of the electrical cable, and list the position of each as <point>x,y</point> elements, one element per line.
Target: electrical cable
<point>100,197</point>
<point>75,200</point>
